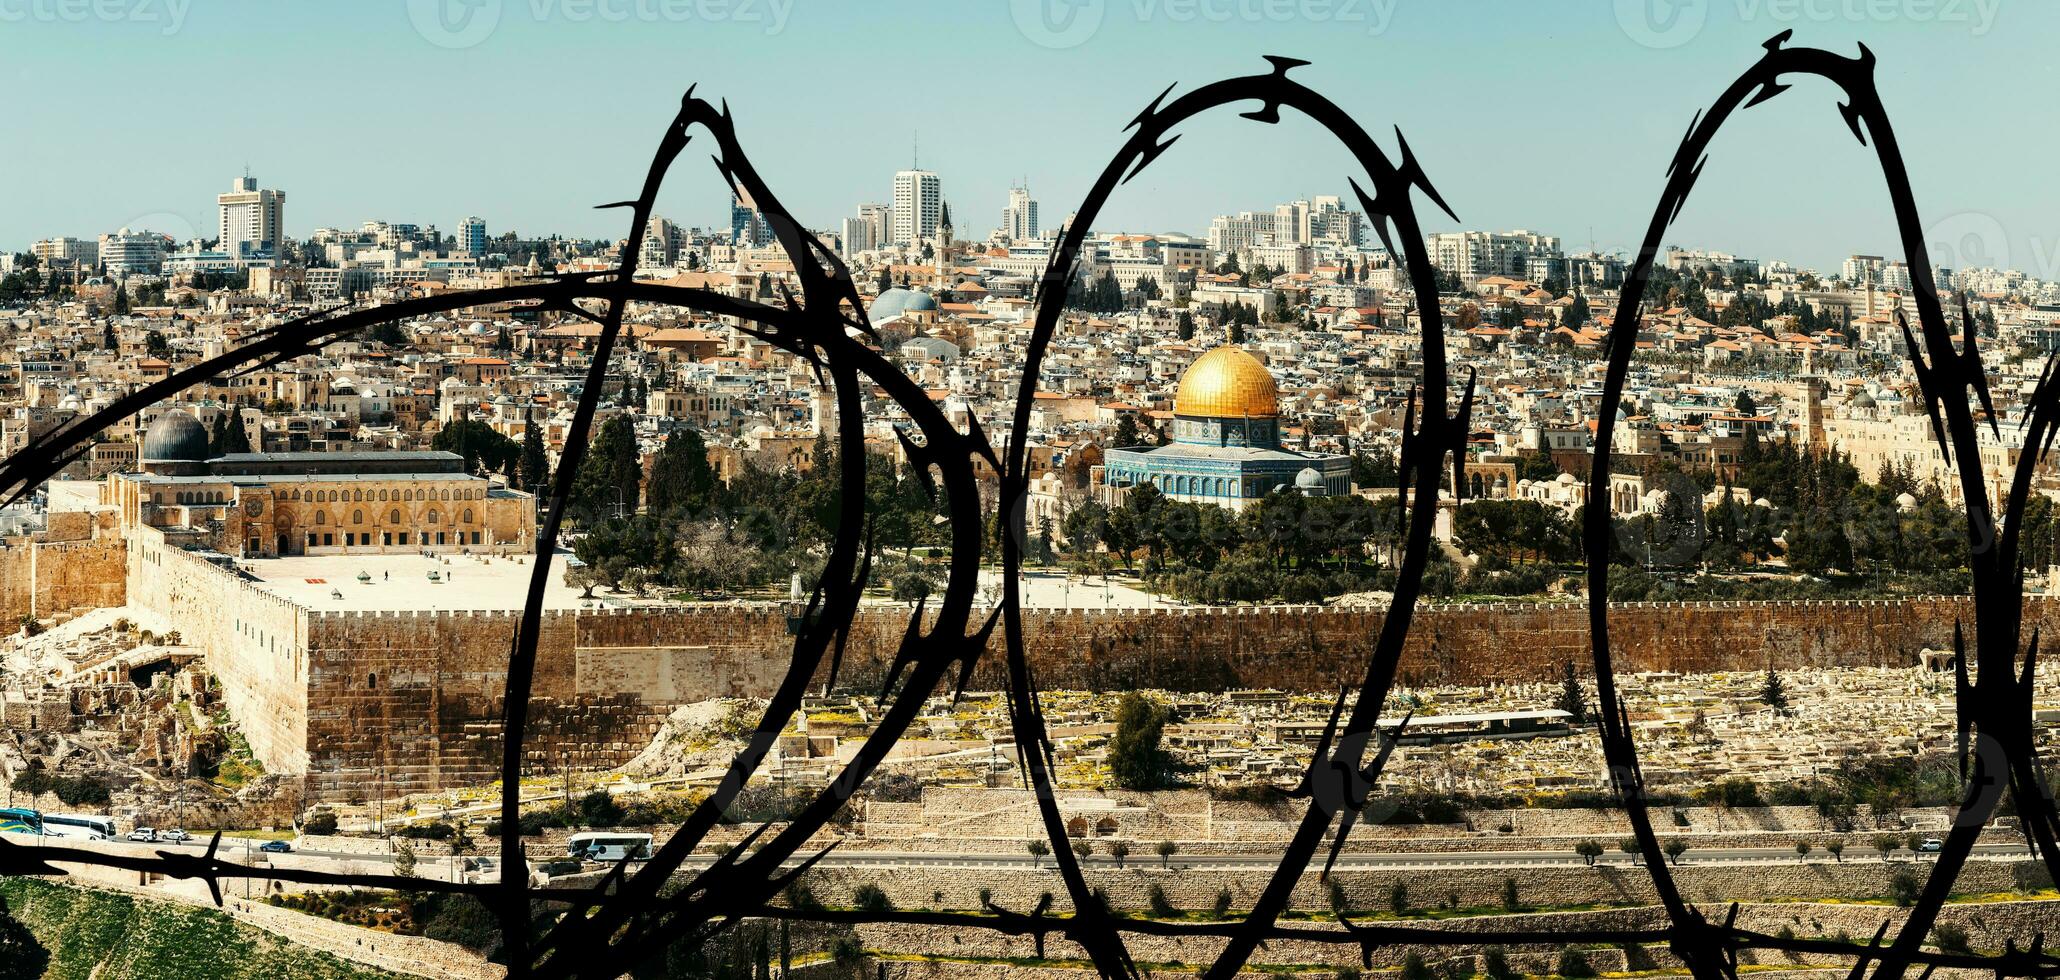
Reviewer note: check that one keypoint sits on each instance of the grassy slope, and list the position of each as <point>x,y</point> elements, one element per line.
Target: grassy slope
<point>125,938</point>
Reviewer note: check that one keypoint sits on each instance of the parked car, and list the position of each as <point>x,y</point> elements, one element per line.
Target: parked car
<point>276,847</point>
<point>143,835</point>
<point>173,834</point>
<point>1931,844</point>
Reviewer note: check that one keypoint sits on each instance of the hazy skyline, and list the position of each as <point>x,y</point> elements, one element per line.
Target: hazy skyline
<point>1556,118</point>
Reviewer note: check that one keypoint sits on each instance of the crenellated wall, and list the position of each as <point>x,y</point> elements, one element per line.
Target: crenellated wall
<point>410,701</point>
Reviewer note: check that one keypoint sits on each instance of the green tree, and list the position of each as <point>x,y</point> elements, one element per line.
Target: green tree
<point>1571,699</point>
<point>483,449</point>
<point>1674,848</point>
<point>610,479</point>
<point>155,345</point>
<point>1126,432</point>
<point>108,340</point>
<point>1495,964</point>
<point>1038,849</point>
<point>1166,851</point>
<point>681,478</point>
<point>1136,760</point>
<point>536,466</point>
<point>1572,964</point>
<point>1773,693</point>
<point>1588,850</point>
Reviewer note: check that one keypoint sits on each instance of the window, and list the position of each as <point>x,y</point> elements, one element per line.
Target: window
<point>357,517</point>
<point>404,537</point>
<point>439,537</point>
<point>329,539</point>
<point>468,515</point>
<point>321,517</point>
<point>394,517</point>
<point>432,516</point>
<point>475,537</point>
<point>372,681</point>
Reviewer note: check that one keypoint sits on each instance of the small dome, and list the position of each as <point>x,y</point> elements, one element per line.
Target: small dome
<point>175,436</point>
<point>1567,478</point>
<point>1906,501</point>
<point>894,302</point>
<point>1308,479</point>
<point>1227,383</point>
<point>1863,399</point>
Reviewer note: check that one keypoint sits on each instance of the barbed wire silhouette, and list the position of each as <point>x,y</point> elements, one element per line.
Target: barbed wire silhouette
<point>633,916</point>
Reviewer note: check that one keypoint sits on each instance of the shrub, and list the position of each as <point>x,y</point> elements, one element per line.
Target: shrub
<point>82,791</point>
<point>1573,963</point>
<point>1414,968</point>
<point>1398,898</point>
<point>1904,885</point>
<point>1495,964</point>
<point>428,831</point>
<point>1221,907</point>
<point>868,897</point>
<point>464,920</point>
<point>1950,937</point>
<point>801,898</point>
<point>323,824</point>
<point>1510,901</point>
<point>1161,907</point>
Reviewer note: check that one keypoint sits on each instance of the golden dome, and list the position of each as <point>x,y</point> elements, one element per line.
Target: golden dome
<point>1227,383</point>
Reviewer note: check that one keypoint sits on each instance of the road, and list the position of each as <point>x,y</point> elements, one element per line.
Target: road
<point>1363,861</point>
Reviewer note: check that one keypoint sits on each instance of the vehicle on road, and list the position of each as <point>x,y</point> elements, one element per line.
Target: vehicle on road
<point>610,847</point>
<point>1931,845</point>
<point>174,834</point>
<point>276,847</point>
<point>21,820</point>
<point>143,835</point>
<point>87,826</point>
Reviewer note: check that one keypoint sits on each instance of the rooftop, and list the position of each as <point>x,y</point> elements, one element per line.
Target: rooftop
<point>401,583</point>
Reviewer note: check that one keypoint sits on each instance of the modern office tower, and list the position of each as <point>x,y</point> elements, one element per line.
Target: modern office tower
<point>918,198</point>
<point>472,236</point>
<point>1019,219</point>
<point>868,230</point>
<point>252,220</point>
<point>747,224</point>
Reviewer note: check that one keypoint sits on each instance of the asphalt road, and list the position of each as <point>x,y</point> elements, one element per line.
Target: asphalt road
<point>853,858</point>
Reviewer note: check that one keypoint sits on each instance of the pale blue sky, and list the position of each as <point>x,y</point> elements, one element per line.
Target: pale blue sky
<point>1558,117</point>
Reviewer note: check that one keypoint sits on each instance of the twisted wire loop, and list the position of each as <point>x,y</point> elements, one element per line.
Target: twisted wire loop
<point>631,917</point>
<point>1996,708</point>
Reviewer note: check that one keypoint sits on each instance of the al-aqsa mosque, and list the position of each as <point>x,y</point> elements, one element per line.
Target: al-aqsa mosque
<point>1226,442</point>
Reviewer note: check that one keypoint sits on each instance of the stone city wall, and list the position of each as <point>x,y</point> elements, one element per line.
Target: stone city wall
<point>254,642</point>
<point>414,701</point>
<point>1319,648</point>
<point>45,578</point>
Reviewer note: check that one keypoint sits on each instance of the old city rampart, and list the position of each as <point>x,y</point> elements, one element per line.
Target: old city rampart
<point>412,700</point>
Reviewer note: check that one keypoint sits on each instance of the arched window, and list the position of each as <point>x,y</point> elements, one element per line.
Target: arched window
<point>372,681</point>
<point>468,515</point>
<point>357,517</point>
<point>394,517</point>
<point>321,518</point>
<point>432,516</point>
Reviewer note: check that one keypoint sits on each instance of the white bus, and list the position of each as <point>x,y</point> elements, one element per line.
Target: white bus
<point>78,825</point>
<point>596,845</point>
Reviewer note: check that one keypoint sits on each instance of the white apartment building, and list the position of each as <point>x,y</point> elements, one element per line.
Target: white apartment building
<point>472,235</point>
<point>1473,255</point>
<point>918,201</point>
<point>76,250</point>
<point>133,252</point>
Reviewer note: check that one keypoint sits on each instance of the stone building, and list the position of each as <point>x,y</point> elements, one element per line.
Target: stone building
<point>267,505</point>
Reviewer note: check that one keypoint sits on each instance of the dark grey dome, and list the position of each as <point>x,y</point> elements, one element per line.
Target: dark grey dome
<point>175,436</point>
<point>896,301</point>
